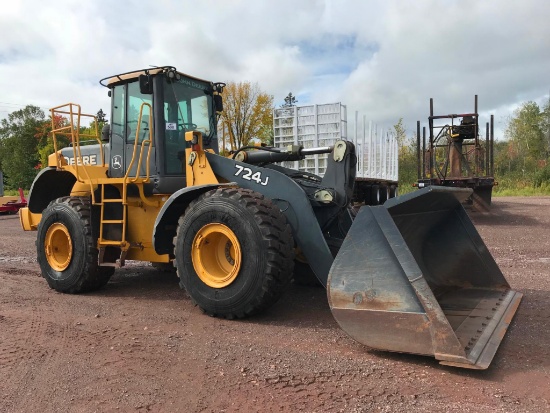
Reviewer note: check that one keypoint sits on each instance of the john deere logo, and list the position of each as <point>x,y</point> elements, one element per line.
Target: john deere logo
<point>116,162</point>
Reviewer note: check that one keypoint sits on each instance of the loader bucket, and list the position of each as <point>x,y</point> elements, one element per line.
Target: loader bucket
<point>414,276</point>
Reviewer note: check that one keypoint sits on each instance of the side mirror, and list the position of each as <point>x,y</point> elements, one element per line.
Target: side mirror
<point>218,103</point>
<point>146,84</point>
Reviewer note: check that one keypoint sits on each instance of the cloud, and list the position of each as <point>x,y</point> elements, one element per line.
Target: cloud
<point>451,51</point>
<point>384,59</point>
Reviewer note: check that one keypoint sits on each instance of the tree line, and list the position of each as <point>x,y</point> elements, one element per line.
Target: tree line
<point>26,140</point>
<point>521,156</point>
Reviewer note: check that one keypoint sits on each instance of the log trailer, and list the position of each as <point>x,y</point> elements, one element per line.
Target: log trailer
<point>456,156</point>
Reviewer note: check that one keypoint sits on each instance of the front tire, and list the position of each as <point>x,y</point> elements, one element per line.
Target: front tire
<point>66,248</point>
<point>234,252</point>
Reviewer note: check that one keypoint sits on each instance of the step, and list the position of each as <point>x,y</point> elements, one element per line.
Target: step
<point>110,242</point>
<point>129,180</point>
<point>120,263</point>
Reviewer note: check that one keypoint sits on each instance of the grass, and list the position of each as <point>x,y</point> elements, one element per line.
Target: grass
<point>13,192</point>
<point>527,191</point>
<point>518,187</point>
<point>504,188</point>
<point>405,188</point>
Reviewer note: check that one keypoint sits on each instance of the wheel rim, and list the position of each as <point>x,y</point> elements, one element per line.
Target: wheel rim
<point>216,255</point>
<point>58,246</point>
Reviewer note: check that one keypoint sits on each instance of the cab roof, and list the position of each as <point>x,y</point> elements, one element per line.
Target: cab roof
<point>111,80</point>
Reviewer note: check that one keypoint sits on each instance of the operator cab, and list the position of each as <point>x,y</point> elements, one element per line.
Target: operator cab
<point>171,103</point>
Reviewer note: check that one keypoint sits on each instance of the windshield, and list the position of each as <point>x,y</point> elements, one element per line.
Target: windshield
<point>187,106</point>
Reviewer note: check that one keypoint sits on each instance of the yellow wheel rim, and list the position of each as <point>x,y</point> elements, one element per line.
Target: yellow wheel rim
<point>58,246</point>
<point>216,255</point>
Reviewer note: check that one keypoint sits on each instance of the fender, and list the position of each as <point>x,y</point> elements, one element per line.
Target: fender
<point>291,200</point>
<point>167,219</point>
<point>48,185</point>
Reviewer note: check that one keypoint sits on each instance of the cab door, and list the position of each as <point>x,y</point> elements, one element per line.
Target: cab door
<point>118,134</point>
<point>137,102</point>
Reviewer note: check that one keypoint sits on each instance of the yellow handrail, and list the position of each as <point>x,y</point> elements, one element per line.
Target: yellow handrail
<point>73,128</point>
<point>147,142</point>
<point>74,114</point>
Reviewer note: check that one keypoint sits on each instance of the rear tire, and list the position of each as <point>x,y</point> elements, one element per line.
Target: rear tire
<point>66,248</point>
<point>242,247</point>
<point>384,194</point>
<point>375,195</point>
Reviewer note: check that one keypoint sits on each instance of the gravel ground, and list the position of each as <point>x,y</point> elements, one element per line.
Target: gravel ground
<point>140,345</point>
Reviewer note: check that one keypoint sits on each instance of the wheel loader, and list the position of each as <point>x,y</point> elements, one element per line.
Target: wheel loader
<point>412,275</point>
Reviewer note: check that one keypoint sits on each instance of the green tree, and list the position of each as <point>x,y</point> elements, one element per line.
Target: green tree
<point>19,159</point>
<point>101,117</point>
<point>526,129</point>
<point>399,132</point>
<point>290,101</point>
<point>406,157</point>
<point>522,160</point>
<point>101,121</point>
<point>408,172</point>
<point>247,115</point>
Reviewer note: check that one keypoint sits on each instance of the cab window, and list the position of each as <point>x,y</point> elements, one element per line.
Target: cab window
<point>136,102</point>
<point>117,121</point>
<point>187,107</point>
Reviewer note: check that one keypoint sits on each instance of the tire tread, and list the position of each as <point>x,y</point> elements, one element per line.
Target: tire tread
<point>92,276</point>
<point>276,234</point>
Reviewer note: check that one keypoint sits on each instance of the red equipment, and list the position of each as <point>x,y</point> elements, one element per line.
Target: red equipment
<point>12,207</point>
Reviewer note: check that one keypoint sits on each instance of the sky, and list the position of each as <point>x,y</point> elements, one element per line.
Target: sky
<point>384,59</point>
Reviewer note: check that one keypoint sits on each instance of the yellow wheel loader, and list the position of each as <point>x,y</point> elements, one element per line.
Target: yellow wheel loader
<point>412,275</point>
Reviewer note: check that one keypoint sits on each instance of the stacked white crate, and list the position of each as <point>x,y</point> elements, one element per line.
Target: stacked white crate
<point>322,125</point>
<point>377,152</point>
<point>310,126</point>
